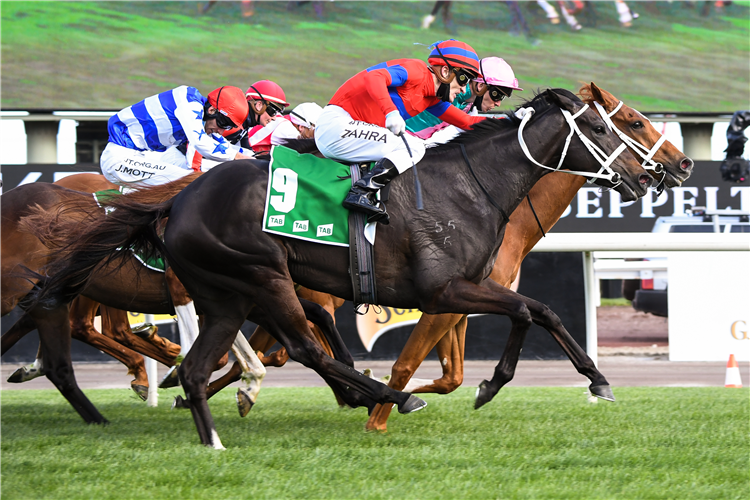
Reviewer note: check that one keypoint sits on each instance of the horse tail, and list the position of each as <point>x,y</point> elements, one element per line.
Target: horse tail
<point>82,237</point>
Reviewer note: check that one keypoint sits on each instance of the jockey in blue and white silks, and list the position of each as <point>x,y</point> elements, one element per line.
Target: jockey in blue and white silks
<point>144,138</point>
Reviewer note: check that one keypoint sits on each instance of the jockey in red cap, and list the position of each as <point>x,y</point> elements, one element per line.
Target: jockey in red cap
<point>366,115</point>
<point>145,138</point>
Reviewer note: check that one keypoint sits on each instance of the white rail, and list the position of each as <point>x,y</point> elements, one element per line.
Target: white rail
<point>587,243</point>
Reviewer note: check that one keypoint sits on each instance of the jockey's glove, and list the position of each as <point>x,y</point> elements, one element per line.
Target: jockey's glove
<point>395,123</point>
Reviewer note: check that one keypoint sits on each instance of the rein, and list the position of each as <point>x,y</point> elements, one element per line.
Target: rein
<point>604,160</point>
<point>487,194</point>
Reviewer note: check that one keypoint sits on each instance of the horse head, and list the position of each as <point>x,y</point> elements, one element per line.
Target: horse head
<point>667,164</point>
<point>598,152</point>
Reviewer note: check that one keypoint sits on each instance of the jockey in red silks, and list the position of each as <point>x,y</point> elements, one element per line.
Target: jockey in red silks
<point>366,116</point>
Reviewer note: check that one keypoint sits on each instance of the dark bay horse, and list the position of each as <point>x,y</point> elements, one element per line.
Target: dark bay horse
<point>551,195</point>
<point>234,271</point>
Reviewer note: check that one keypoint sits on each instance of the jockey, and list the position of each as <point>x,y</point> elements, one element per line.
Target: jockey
<point>144,138</point>
<point>496,81</point>
<point>366,116</point>
<point>266,101</point>
<point>298,124</point>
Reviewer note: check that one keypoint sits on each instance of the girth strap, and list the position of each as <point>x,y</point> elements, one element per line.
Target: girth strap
<point>361,256</point>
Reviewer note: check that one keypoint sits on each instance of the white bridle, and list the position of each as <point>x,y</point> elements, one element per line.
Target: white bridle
<point>640,149</point>
<point>604,160</point>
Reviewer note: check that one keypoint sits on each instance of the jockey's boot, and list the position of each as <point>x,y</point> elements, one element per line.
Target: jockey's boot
<point>361,196</point>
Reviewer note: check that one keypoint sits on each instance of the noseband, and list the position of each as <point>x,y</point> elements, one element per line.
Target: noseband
<point>604,160</point>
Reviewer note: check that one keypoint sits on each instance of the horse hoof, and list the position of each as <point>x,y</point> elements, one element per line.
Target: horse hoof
<point>484,395</point>
<point>244,403</point>
<point>602,392</point>
<point>170,379</point>
<point>144,331</point>
<point>412,404</point>
<point>141,390</point>
<point>180,402</point>
<point>24,374</point>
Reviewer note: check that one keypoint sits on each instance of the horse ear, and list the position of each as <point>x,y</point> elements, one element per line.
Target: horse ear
<point>563,101</point>
<point>603,97</point>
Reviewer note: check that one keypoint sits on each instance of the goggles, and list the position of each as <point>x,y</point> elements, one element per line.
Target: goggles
<point>463,77</point>
<point>272,110</point>
<point>497,94</point>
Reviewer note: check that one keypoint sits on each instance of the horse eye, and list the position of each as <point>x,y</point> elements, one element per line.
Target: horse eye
<point>599,129</point>
<point>637,125</point>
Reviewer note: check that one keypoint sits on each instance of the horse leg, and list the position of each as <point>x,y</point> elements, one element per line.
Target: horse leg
<point>253,372</point>
<point>261,341</point>
<point>429,331</point>
<point>450,351</point>
<point>21,327</point>
<point>29,372</point>
<point>187,324</point>
<point>293,332</point>
<point>217,335</point>
<point>116,326</point>
<point>53,325</point>
<point>543,316</point>
<point>82,314</point>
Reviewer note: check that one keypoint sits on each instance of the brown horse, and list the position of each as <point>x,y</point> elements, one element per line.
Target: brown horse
<point>116,338</point>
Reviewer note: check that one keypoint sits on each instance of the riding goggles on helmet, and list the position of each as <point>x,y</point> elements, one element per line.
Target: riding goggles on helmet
<point>272,110</point>
<point>268,107</point>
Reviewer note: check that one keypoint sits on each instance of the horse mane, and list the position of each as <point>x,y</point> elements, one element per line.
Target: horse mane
<point>540,103</point>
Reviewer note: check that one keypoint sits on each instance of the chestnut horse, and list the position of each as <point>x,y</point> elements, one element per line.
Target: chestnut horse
<point>125,284</point>
<point>116,339</point>
<point>551,196</point>
<point>234,270</point>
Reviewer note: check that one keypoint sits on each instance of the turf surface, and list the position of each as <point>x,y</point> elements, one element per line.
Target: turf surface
<point>108,55</point>
<point>527,443</point>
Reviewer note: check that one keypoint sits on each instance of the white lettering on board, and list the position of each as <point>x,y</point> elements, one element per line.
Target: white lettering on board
<point>325,230</point>
<point>276,220</point>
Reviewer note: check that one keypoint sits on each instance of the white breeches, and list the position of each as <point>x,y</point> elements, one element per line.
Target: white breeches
<point>339,136</point>
<point>128,167</point>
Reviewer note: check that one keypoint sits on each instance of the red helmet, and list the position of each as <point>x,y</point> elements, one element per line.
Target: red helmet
<point>230,102</point>
<point>266,90</point>
<point>454,54</point>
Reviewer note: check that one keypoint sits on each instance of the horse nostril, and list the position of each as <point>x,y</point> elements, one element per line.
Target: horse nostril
<point>645,179</point>
<point>686,164</point>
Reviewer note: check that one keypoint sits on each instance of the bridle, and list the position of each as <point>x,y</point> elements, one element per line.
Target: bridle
<point>605,172</point>
<point>640,149</point>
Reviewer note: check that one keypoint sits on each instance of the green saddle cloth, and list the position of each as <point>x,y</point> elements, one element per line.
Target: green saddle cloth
<point>304,198</point>
<point>101,198</point>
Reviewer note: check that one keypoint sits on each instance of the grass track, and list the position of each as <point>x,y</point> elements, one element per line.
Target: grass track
<point>528,443</point>
<point>88,55</point>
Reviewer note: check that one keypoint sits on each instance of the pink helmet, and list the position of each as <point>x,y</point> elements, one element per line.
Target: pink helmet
<point>495,71</point>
